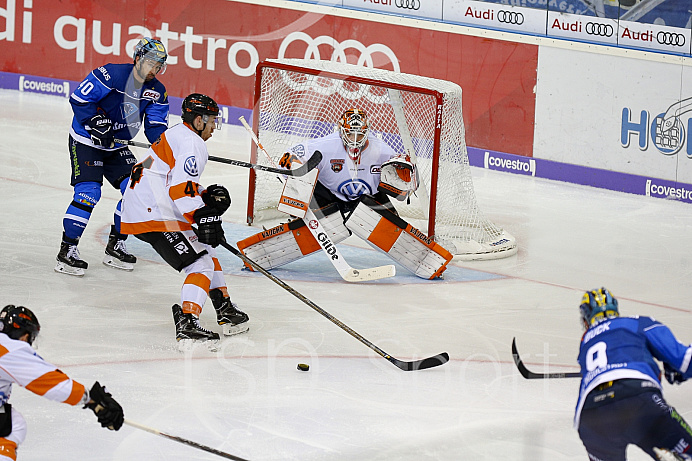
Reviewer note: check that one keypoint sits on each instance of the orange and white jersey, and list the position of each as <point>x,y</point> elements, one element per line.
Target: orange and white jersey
<point>19,363</point>
<point>163,192</point>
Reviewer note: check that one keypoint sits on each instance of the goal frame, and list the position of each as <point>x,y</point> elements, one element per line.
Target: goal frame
<point>432,205</point>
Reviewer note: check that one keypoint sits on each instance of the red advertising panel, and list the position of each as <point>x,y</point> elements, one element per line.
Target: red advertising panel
<point>215,47</point>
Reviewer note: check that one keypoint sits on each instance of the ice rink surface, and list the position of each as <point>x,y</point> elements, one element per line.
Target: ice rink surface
<point>249,400</point>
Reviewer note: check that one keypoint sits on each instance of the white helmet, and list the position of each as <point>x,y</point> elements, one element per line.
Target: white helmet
<point>353,128</point>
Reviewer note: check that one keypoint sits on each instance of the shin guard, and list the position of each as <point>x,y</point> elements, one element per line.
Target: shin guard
<point>402,242</point>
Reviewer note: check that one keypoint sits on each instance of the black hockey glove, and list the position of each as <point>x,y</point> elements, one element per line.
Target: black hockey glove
<point>209,228</point>
<point>217,197</point>
<point>107,410</point>
<point>672,376</point>
<point>100,128</point>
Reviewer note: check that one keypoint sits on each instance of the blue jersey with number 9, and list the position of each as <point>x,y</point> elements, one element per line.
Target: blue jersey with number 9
<point>625,348</point>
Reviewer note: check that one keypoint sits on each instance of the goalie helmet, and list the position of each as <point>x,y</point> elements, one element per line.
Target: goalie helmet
<point>353,128</point>
<point>150,48</point>
<point>16,321</point>
<point>199,104</point>
<point>598,305</point>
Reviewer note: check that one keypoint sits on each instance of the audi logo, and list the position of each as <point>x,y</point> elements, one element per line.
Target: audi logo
<point>510,17</point>
<point>595,28</point>
<point>375,55</point>
<point>670,38</point>
<point>408,4</point>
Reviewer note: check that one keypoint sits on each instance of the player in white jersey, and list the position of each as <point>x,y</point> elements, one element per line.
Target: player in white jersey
<point>357,174</point>
<point>19,364</point>
<point>162,201</point>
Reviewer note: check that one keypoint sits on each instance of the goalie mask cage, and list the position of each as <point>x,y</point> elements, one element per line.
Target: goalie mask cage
<point>296,99</point>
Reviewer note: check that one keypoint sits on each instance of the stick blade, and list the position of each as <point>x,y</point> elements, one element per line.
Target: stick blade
<point>528,374</point>
<point>312,162</point>
<point>365,275</point>
<point>430,362</point>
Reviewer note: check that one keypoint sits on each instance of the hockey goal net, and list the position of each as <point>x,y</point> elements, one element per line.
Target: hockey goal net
<point>297,99</point>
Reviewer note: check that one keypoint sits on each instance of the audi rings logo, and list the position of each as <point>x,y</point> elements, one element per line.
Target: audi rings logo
<point>670,38</point>
<point>408,4</point>
<point>510,17</point>
<point>348,51</point>
<point>596,28</point>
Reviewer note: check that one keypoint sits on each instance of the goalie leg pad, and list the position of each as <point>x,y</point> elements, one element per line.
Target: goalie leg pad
<point>289,242</point>
<point>402,242</point>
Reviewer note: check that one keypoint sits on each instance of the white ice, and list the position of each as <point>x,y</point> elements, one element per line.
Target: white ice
<point>249,400</point>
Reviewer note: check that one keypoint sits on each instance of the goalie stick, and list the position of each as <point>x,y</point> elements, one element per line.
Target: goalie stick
<point>344,269</point>
<point>430,362</point>
<point>302,170</point>
<point>530,374</point>
<point>184,441</point>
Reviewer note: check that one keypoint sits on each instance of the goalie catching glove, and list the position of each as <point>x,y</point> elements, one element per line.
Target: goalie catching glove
<point>398,177</point>
<point>107,410</point>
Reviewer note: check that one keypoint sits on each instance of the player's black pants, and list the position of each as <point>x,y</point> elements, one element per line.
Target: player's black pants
<point>630,411</point>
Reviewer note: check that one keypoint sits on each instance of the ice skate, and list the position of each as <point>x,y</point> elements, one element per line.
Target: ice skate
<point>68,259</point>
<point>232,320</point>
<point>116,252</point>
<point>188,331</point>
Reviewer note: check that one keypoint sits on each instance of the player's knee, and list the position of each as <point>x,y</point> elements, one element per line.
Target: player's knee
<point>124,181</point>
<point>87,193</point>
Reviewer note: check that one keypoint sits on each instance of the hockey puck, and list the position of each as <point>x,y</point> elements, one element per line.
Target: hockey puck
<point>303,367</point>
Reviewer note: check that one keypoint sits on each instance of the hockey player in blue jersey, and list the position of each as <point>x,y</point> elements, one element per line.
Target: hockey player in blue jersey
<point>113,102</point>
<point>620,400</point>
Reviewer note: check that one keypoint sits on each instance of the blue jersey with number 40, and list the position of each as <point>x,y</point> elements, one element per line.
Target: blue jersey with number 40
<point>625,348</point>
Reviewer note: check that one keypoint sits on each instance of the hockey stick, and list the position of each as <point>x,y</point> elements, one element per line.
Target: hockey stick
<point>346,272</point>
<point>302,170</point>
<point>430,362</point>
<point>530,374</point>
<point>184,441</point>
<point>398,107</point>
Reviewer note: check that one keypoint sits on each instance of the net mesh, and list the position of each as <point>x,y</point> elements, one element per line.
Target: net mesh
<point>302,99</point>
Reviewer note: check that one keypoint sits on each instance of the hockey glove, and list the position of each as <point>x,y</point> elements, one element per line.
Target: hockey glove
<point>217,197</point>
<point>398,177</point>
<point>107,410</point>
<point>209,230</point>
<point>100,128</point>
<point>672,376</point>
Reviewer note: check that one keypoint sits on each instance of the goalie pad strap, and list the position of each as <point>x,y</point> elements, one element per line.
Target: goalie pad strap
<point>291,241</point>
<point>402,242</point>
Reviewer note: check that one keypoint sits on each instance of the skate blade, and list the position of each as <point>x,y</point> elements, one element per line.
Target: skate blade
<point>230,330</point>
<point>63,268</point>
<point>118,264</point>
<point>189,345</point>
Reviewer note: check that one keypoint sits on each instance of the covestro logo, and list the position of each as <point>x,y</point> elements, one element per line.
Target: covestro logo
<point>496,162</point>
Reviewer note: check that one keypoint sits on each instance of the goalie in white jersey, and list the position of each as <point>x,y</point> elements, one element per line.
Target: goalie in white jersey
<point>357,175</point>
<point>163,200</point>
<point>20,364</point>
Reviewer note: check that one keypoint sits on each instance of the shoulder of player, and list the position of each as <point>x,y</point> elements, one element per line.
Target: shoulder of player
<point>184,141</point>
<point>112,75</point>
<point>9,346</point>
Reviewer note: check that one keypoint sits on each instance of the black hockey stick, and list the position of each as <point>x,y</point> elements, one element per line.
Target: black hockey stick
<point>430,362</point>
<point>530,374</point>
<point>300,171</point>
<point>184,441</point>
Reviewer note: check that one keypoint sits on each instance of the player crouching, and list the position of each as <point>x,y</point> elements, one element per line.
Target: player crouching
<point>353,166</point>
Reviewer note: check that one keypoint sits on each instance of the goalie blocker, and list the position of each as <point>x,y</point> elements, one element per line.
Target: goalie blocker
<point>402,242</point>
<point>291,241</point>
